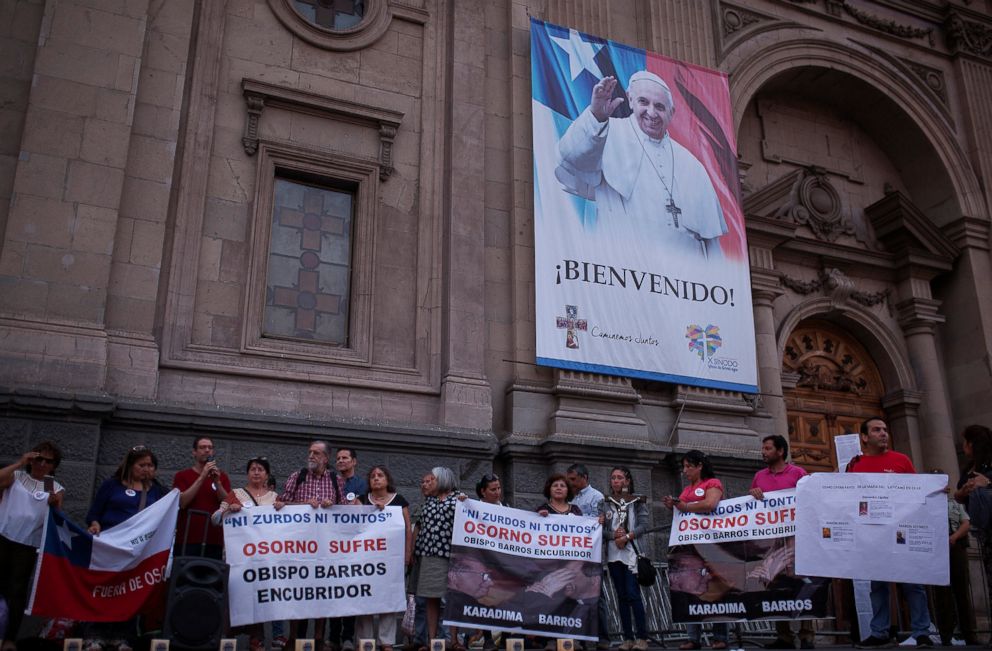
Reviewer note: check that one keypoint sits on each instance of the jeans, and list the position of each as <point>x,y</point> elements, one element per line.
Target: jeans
<point>628,598</point>
<point>720,631</point>
<point>420,623</point>
<point>916,598</point>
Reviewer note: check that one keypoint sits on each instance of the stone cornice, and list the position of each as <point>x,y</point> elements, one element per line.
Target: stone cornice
<point>969,233</point>
<point>918,315</point>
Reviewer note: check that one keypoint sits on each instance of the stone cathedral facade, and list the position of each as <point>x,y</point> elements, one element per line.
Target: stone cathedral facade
<point>277,220</point>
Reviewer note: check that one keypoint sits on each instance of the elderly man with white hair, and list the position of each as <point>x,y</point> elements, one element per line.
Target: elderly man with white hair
<point>647,187</point>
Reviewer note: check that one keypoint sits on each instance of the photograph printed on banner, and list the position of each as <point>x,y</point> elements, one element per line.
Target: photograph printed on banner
<point>499,591</point>
<point>752,579</point>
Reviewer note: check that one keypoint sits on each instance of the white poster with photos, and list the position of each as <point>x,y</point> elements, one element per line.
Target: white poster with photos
<point>879,527</point>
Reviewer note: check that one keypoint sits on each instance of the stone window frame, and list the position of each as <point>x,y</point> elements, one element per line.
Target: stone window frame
<point>378,15</point>
<point>332,169</point>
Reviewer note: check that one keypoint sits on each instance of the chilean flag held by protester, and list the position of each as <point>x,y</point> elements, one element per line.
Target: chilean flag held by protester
<point>105,578</point>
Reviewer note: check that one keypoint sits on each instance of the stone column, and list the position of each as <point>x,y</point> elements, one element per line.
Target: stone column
<point>765,289</point>
<point>466,399</point>
<point>918,318</point>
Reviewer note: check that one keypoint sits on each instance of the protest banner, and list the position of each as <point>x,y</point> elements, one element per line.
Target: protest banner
<point>873,526</point>
<point>105,578</point>
<point>517,571</point>
<point>738,563</point>
<point>300,562</point>
<point>641,265</point>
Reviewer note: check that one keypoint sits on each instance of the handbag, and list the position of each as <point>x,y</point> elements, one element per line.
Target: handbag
<point>646,573</point>
<point>408,626</point>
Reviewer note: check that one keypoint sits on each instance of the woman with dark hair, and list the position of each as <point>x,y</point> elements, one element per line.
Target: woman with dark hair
<point>27,494</point>
<point>128,491</point>
<point>131,488</point>
<point>490,489</point>
<point>559,495</point>
<point>625,519</point>
<point>701,496</point>
<point>977,447</point>
<point>382,493</point>
<point>256,493</point>
<point>432,549</point>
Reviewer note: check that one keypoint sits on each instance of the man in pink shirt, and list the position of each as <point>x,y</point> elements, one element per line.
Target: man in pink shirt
<point>780,475</point>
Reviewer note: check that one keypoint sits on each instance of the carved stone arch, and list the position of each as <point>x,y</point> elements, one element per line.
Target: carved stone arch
<point>885,346</point>
<point>753,65</point>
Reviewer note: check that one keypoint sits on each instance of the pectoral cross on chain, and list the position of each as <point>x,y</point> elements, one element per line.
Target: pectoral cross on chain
<point>674,210</point>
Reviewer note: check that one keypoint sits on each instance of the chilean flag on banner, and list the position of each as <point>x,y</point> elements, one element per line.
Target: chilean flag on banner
<point>105,578</point>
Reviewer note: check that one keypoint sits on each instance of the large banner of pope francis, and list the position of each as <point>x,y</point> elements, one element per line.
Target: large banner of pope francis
<point>641,265</point>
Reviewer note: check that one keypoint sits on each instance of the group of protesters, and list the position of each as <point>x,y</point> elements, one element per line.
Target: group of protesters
<point>206,497</point>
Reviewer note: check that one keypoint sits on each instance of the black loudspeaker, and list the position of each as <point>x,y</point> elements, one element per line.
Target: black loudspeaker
<point>196,611</point>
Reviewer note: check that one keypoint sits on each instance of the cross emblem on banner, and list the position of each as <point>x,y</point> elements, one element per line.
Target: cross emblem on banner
<point>674,210</point>
<point>570,323</point>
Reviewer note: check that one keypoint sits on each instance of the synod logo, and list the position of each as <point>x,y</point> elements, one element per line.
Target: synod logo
<point>571,324</point>
<point>704,341</point>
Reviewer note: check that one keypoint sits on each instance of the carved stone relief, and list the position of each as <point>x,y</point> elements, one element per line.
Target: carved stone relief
<point>835,283</point>
<point>823,362</point>
<point>815,203</point>
<point>969,37</point>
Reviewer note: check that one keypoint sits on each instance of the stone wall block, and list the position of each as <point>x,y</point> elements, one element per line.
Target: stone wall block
<point>40,175</point>
<point>98,185</point>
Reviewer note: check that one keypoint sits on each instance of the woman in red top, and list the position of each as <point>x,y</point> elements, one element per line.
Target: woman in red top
<point>701,496</point>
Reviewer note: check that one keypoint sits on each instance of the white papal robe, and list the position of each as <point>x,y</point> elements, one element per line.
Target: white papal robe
<point>625,172</point>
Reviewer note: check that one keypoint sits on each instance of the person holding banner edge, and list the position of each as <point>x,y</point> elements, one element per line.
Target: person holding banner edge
<point>701,496</point>
<point>625,518</point>
<point>131,489</point>
<point>977,447</point>
<point>877,457</point>
<point>255,493</point>
<point>432,549</point>
<point>780,475</point>
<point>20,528</point>
<point>382,493</point>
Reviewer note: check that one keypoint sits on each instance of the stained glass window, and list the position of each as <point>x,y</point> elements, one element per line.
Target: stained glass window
<point>308,279</point>
<point>331,14</point>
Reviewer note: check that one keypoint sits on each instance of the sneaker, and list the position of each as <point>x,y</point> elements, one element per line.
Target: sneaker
<point>924,641</point>
<point>779,643</point>
<point>278,642</point>
<point>874,642</point>
<point>347,645</point>
<point>806,644</point>
<point>641,645</point>
<point>93,645</point>
<point>626,645</point>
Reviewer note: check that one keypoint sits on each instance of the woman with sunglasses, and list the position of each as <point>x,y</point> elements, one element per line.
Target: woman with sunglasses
<point>28,490</point>
<point>256,493</point>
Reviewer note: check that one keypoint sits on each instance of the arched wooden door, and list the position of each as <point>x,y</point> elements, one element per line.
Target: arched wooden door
<point>832,385</point>
<point>837,385</point>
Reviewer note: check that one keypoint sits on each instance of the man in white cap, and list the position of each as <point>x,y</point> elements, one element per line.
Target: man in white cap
<point>647,187</point>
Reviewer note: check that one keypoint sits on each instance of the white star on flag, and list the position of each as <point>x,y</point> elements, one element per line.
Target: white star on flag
<point>65,534</point>
<point>581,54</point>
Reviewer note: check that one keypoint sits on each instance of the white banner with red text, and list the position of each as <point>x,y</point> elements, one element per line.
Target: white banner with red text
<point>518,571</point>
<point>300,562</point>
<point>738,563</point>
<point>740,518</point>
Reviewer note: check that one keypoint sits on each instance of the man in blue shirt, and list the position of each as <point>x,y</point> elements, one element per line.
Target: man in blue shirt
<point>588,500</point>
